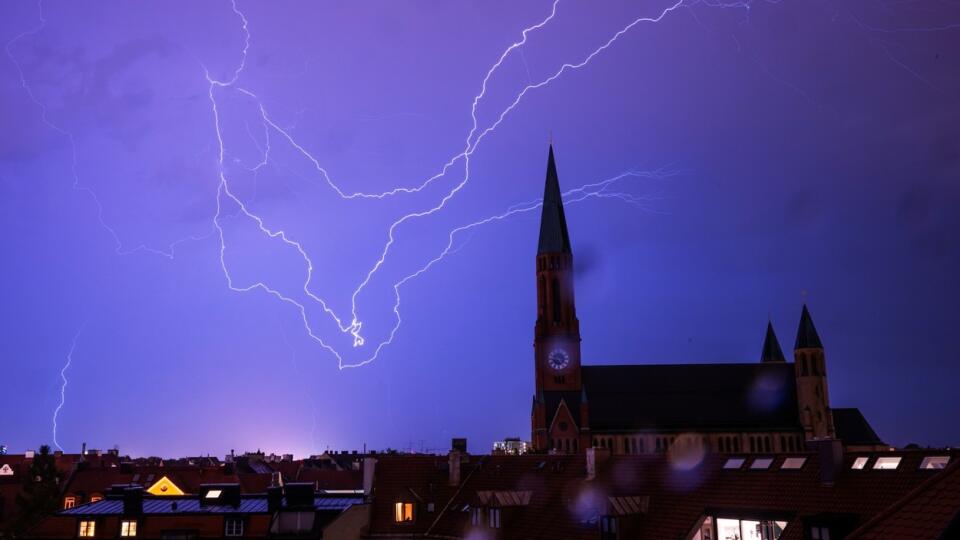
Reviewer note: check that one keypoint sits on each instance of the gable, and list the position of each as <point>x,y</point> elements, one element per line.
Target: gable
<point>6,470</point>
<point>163,487</point>
<point>563,418</point>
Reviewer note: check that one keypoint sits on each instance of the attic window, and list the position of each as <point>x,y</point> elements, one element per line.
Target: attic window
<point>761,463</point>
<point>734,463</point>
<point>213,494</point>
<point>935,462</point>
<point>887,463</point>
<point>403,512</point>
<point>793,463</point>
<point>69,502</point>
<point>859,463</point>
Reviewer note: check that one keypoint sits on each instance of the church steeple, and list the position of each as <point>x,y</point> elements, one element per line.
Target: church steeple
<point>771,347</point>
<point>807,337</point>
<point>553,223</point>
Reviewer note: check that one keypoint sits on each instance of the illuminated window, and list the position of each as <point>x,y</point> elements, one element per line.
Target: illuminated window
<point>476,516</point>
<point>128,527</point>
<point>887,463</point>
<point>793,463</point>
<point>859,463</point>
<point>69,502</point>
<point>761,463</point>
<point>493,519</point>
<point>935,462</point>
<point>734,463</point>
<point>95,498</point>
<point>403,512</point>
<point>608,528</point>
<point>233,527</point>
<point>214,494</point>
<point>728,529</point>
<point>88,528</point>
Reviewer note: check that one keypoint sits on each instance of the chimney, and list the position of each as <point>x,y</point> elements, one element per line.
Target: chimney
<point>459,444</point>
<point>831,458</point>
<point>274,498</point>
<point>454,458</point>
<point>369,467</point>
<point>83,451</point>
<point>133,501</point>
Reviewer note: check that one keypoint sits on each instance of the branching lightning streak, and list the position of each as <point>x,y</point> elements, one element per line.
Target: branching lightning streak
<point>77,185</point>
<point>473,139</point>
<point>63,386</point>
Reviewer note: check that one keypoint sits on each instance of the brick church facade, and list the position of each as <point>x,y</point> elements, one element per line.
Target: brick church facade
<point>770,406</point>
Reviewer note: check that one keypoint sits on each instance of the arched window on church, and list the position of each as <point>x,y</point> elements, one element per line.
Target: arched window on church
<point>555,299</point>
<point>814,366</point>
<point>803,365</point>
<point>542,289</point>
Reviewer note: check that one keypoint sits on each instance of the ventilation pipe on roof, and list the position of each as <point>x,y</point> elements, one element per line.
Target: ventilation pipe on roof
<point>369,467</point>
<point>454,467</point>
<point>591,463</point>
<point>831,458</point>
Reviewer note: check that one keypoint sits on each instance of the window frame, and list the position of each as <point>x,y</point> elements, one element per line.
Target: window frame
<point>860,463</point>
<point>880,464</point>
<point>728,464</point>
<point>126,529</point>
<point>927,460</point>
<point>399,508</point>
<point>793,463</point>
<point>87,528</point>
<point>494,518</point>
<point>69,502</point>
<point>609,527</point>
<point>234,522</point>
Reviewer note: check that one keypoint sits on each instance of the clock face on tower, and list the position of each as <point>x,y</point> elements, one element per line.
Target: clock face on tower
<point>558,359</point>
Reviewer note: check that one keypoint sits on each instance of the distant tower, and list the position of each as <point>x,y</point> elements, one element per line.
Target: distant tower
<point>811,370</point>
<point>771,347</point>
<point>556,345</point>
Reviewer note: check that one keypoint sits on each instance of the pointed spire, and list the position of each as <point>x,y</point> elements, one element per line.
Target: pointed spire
<point>553,223</point>
<point>771,347</point>
<point>807,337</point>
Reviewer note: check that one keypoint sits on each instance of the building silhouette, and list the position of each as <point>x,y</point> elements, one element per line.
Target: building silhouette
<point>759,407</point>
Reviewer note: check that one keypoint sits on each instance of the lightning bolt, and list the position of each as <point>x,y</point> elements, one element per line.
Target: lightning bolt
<point>63,385</point>
<point>472,141</point>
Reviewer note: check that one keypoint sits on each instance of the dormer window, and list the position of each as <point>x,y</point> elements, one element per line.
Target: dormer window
<point>935,462</point>
<point>609,528</point>
<point>69,502</point>
<point>403,512</point>
<point>214,494</point>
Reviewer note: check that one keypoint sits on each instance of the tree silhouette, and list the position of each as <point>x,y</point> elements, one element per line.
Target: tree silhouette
<point>40,496</point>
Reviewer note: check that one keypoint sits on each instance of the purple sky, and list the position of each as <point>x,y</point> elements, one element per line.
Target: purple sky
<point>790,150</point>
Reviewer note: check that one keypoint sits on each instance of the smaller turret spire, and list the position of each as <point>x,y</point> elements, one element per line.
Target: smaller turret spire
<point>807,337</point>
<point>771,347</point>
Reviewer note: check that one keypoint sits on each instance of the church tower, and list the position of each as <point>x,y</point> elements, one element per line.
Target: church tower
<point>560,415</point>
<point>811,374</point>
<point>557,331</point>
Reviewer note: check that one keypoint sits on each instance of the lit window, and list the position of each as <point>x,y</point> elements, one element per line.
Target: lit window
<point>859,463</point>
<point>761,463</point>
<point>95,498</point>
<point>403,512</point>
<point>935,462</point>
<point>128,527</point>
<point>88,528</point>
<point>887,463</point>
<point>213,494</point>
<point>734,463</point>
<point>608,528</point>
<point>69,502</point>
<point>494,518</point>
<point>476,516</point>
<point>233,527</point>
<point>793,463</point>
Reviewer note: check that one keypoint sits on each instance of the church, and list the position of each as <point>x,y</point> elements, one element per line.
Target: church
<point>768,406</point>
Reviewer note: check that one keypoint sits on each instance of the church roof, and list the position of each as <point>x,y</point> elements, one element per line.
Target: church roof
<point>553,223</point>
<point>687,397</point>
<point>771,347</point>
<point>807,337</point>
<point>853,429</point>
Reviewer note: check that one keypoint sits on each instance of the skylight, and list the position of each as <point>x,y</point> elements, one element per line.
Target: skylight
<point>935,462</point>
<point>734,463</point>
<point>793,463</point>
<point>213,494</point>
<point>859,463</point>
<point>761,463</point>
<point>887,463</point>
